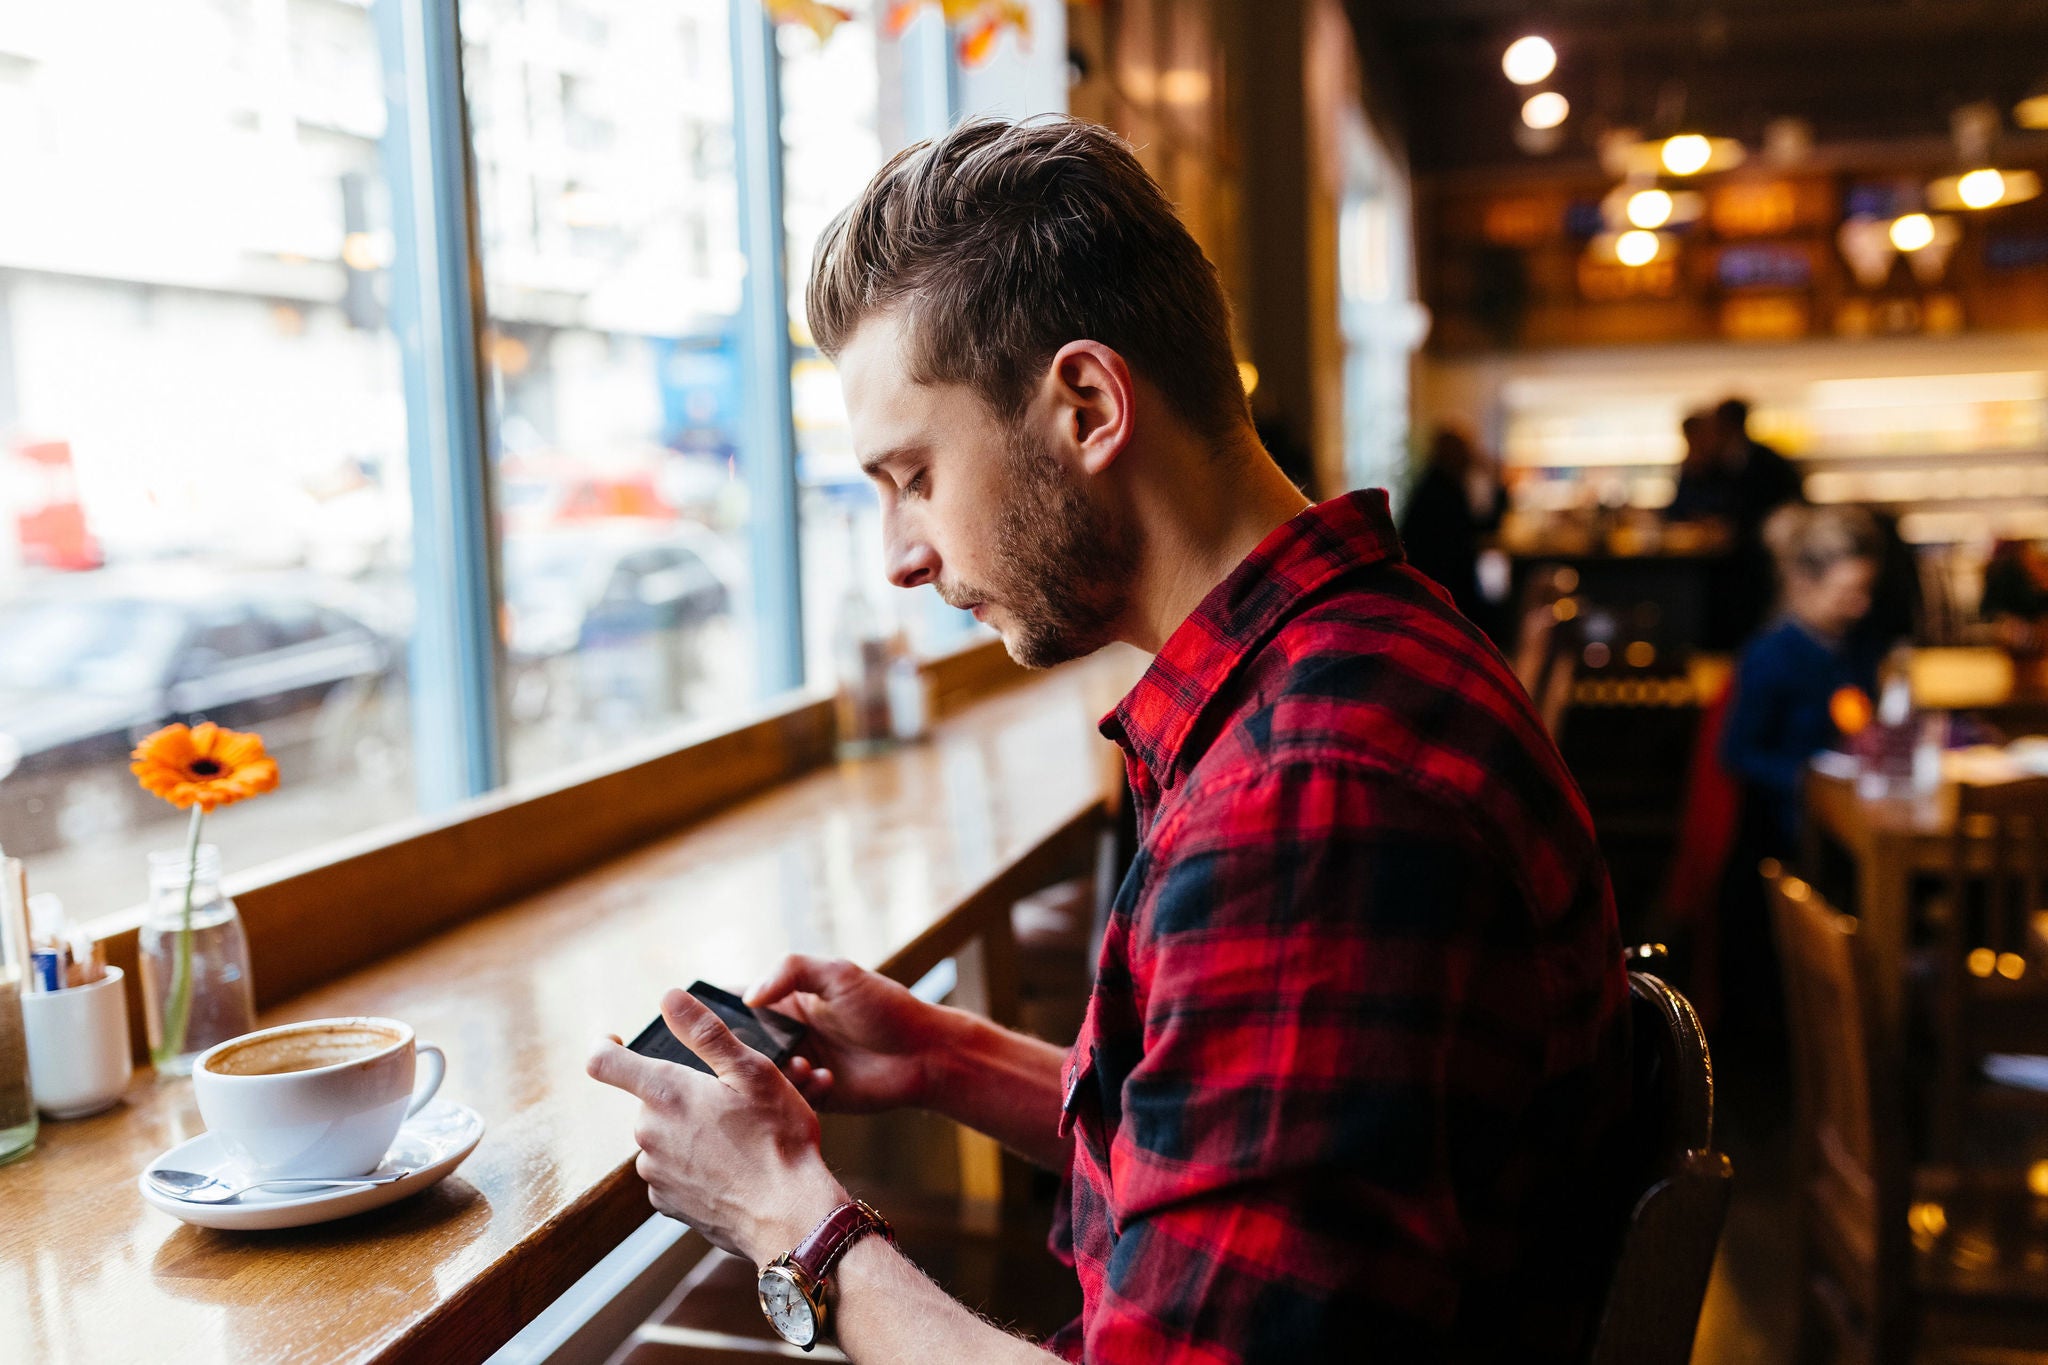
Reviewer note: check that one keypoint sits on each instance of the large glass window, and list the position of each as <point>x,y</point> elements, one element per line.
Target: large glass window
<point>203,482</point>
<point>849,102</point>
<point>609,215</point>
<point>834,139</point>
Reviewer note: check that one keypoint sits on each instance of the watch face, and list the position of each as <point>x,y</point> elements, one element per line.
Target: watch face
<point>789,1312</point>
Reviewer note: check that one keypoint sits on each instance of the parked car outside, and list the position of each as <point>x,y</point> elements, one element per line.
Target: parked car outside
<point>609,619</point>
<point>94,662</point>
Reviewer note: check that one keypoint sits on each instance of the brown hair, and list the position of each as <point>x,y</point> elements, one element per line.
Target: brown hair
<point>1005,241</point>
<point>1812,540</point>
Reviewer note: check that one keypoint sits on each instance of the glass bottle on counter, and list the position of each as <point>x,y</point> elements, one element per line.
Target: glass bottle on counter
<point>17,1104</point>
<point>1890,746</point>
<point>218,1002</point>
<point>862,649</point>
<point>861,653</point>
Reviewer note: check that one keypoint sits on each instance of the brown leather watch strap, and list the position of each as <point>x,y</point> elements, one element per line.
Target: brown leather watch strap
<point>845,1225</point>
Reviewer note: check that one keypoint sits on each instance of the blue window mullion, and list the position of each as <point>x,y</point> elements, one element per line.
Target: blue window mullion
<point>768,456</point>
<point>437,314</point>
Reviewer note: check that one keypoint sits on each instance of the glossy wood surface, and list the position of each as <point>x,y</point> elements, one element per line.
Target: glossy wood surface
<point>1889,841</point>
<point>346,905</point>
<point>896,862</point>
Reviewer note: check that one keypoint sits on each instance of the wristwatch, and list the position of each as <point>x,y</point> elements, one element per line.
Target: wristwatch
<point>792,1286</point>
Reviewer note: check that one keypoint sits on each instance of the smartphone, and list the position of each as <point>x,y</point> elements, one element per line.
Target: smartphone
<point>773,1035</point>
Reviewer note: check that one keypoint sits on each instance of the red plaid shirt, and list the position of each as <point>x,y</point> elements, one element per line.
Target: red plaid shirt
<point>1357,1044</point>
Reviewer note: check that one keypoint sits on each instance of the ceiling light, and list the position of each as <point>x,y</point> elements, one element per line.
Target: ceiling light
<point>1528,60</point>
<point>1983,188</point>
<point>1912,232</point>
<point>1649,208</point>
<point>2032,112</point>
<point>1639,203</point>
<point>1687,154</point>
<point>1980,189</point>
<point>1636,248</point>
<point>1545,110</point>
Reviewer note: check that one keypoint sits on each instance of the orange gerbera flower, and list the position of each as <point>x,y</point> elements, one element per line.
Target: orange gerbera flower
<point>203,766</point>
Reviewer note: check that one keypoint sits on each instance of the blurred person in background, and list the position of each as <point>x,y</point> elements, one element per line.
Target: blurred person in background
<point>1453,507</point>
<point>1896,605</point>
<point>1752,481</point>
<point>1828,560</point>
<point>1704,488</point>
<point>1779,717</point>
<point>2015,599</point>
<point>1760,479</point>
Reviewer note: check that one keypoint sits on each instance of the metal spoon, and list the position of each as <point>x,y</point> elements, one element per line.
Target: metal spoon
<point>196,1188</point>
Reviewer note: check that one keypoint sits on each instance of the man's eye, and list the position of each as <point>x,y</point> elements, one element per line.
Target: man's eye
<point>919,482</point>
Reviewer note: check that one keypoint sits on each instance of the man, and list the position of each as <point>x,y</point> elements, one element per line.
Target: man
<point>1356,1047</point>
<point>1455,504</point>
<point>1705,488</point>
<point>1759,481</point>
<point>1762,479</point>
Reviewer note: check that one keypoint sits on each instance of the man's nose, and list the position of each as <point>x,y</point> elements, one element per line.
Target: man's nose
<point>911,559</point>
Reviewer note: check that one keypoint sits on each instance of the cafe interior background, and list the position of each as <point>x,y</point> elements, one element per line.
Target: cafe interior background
<point>445,411</point>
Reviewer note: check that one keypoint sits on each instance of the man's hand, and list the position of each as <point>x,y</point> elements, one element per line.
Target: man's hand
<point>735,1154</point>
<point>869,1042</point>
<point>872,1045</point>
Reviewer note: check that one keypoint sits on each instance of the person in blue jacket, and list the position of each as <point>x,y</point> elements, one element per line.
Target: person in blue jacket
<point>1827,560</point>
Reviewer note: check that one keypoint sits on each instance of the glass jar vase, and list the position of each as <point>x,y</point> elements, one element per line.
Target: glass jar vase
<point>195,961</point>
<point>17,1105</point>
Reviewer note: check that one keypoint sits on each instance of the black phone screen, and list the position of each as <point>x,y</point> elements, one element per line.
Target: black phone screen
<point>773,1035</point>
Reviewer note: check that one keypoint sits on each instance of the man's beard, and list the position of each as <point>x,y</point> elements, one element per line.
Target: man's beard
<point>1061,567</point>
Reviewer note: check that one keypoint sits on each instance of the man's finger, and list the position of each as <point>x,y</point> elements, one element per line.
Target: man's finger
<point>794,973</point>
<point>813,1082</point>
<point>705,1034</point>
<point>614,1064</point>
<point>798,974</point>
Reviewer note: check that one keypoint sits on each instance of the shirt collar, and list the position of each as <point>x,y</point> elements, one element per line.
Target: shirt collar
<point>1319,543</point>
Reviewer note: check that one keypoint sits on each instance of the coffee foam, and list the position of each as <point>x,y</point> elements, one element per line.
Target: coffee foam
<point>303,1050</point>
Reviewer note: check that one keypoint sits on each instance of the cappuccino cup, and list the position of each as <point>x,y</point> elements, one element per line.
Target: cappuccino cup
<point>317,1099</point>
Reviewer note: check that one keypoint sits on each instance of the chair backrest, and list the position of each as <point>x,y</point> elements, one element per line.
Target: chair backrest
<point>1996,878</point>
<point>1680,1192</point>
<point>2001,843</point>
<point>1849,1145</point>
<point>1546,652</point>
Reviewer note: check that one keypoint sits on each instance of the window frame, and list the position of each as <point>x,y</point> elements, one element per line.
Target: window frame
<point>439,313</point>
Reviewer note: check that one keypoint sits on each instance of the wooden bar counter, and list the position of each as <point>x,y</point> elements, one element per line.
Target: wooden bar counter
<point>897,862</point>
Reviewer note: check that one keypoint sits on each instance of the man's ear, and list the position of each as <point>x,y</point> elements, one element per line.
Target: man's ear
<point>1095,398</point>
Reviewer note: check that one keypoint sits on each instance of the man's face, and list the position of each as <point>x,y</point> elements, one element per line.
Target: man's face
<point>997,517</point>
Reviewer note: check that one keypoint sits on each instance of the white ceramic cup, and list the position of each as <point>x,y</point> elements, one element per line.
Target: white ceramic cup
<point>318,1118</point>
<point>78,1060</point>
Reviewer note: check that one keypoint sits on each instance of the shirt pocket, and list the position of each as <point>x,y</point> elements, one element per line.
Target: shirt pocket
<point>1081,1109</point>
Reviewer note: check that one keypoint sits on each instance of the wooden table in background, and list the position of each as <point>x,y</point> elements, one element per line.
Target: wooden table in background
<point>1889,841</point>
<point>898,863</point>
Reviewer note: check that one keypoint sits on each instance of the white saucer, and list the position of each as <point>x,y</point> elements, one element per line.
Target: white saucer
<point>431,1143</point>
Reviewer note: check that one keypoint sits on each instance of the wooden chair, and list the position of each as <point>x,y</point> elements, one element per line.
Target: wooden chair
<point>1990,971</point>
<point>1681,1188</point>
<point>1897,1264</point>
<point>1546,653</point>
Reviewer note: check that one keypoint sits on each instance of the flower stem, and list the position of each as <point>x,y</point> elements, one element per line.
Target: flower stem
<point>178,1011</point>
